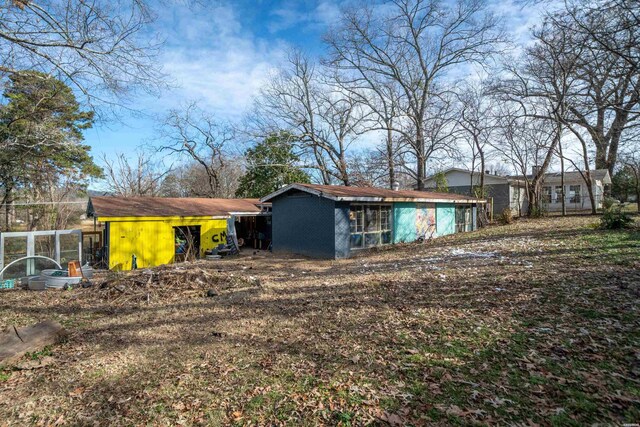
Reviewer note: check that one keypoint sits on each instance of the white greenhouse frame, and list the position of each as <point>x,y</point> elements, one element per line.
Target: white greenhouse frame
<point>31,239</point>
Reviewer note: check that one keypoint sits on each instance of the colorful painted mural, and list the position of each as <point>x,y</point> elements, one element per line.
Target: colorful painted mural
<point>425,220</point>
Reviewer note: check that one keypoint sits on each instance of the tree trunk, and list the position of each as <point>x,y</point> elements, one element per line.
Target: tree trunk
<point>564,201</point>
<point>483,211</point>
<point>592,198</point>
<point>390,164</point>
<point>534,202</point>
<point>343,170</point>
<point>420,170</point>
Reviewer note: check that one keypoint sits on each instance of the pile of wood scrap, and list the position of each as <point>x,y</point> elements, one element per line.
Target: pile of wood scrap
<point>168,282</point>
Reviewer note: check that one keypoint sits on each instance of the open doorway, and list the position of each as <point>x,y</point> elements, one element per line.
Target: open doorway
<point>254,231</point>
<point>187,243</point>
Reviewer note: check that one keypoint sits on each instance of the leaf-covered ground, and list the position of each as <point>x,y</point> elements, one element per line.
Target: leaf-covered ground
<point>532,323</point>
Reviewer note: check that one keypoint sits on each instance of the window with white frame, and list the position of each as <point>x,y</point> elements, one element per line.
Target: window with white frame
<point>558,194</point>
<point>463,218</point>
<point>370,225</point>
<point>546,194</point>
<point>574,193</point>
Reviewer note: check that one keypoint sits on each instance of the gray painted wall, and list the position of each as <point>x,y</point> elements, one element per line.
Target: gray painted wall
<point>304,224</point>
<point>499,192</point>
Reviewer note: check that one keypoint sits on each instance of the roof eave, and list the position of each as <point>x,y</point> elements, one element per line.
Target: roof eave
<point>299,187</point>
<point>407,199</point>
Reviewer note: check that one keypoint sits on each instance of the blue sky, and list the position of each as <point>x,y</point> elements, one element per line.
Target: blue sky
<point>220,52</point>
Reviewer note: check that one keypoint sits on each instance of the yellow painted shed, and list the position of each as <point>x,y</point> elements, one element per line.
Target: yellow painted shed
<point>160,230</point>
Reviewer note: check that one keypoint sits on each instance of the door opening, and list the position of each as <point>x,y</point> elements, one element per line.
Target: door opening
<point>187,243</point>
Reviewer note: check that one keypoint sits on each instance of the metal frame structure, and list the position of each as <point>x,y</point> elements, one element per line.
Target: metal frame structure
<point>31,239</point>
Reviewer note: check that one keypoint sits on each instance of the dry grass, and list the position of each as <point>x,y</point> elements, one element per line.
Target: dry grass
<point>535,322</point>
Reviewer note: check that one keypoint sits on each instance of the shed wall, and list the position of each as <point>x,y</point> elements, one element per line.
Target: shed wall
<point>404,222</point>
<point>304,224</point>
<point>153,242</point>
<point>445,219</point>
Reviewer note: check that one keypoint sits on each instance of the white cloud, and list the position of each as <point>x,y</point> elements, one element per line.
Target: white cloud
<point>213,58</point>
<point>294,14</point>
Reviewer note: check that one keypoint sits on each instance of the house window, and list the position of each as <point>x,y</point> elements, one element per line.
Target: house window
<point>574,193</point>
<point>558,193</point>
<point>546,194</point>
<point>370,225</point>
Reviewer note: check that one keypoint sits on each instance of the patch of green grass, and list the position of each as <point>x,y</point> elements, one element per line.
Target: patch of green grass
<point>343,418</point>
<point>582,403</point>
<point>256,402</point>
<point>620,247</point>
<point>563,419</point>
<point>590,313</point>
<point>4,375</point>
<point>37,355</point>
<point>537,379</point>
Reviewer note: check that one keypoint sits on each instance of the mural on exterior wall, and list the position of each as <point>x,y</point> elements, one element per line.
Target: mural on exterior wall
<point>425,220</point>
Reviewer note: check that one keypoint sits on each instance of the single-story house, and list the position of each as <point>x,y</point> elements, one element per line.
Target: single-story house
<point>330,221</point>
<point>576,192</point>
<point>502,192</point>
<point>510,191</point>
<point>160,230</point>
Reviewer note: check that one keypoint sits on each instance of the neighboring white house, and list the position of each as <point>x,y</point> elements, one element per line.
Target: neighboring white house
<point>510,191</point>
<point>576,192</point>
<point>501,191</point>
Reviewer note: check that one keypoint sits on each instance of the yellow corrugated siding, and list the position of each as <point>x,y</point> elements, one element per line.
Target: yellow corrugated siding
<point>152,240</point>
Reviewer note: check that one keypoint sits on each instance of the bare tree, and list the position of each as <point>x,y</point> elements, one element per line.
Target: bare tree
<point>528,145</point>
<point>617,21</point>
<point>411,45</point>
<point>631,161</point>
<point>368,168</point>
<point>201,138</point>
<point>304,100</point>
<point>382,100</point>
<point>605,95</point>
<point>140,175</point>
<point>478,122</point>
<point>186,180</point>
<point>541,84</point>
<point>92,45</point>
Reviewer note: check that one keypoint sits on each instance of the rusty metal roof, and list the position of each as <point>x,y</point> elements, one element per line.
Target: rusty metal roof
<point>108,206</point>
<point>373,194</point>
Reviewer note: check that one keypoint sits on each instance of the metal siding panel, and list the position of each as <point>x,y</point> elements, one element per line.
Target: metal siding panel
<point>304,224</point>
<point>153,242</point>
<point>404,222</point>
<point>445,219</point>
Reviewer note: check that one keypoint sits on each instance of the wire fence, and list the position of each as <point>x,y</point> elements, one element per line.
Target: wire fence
<point>573,203</point>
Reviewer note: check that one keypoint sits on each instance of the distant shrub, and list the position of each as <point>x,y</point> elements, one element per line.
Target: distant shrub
<point>538,212</point>
<point>506,217</point>
<point>608,203</point>
<point>614,218</point>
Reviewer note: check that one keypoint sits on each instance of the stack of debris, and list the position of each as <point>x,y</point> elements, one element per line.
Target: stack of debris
<point>169,282</point>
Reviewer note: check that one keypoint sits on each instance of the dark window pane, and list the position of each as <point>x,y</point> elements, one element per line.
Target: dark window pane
<point>371,239</point>
<point>356,240</point>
